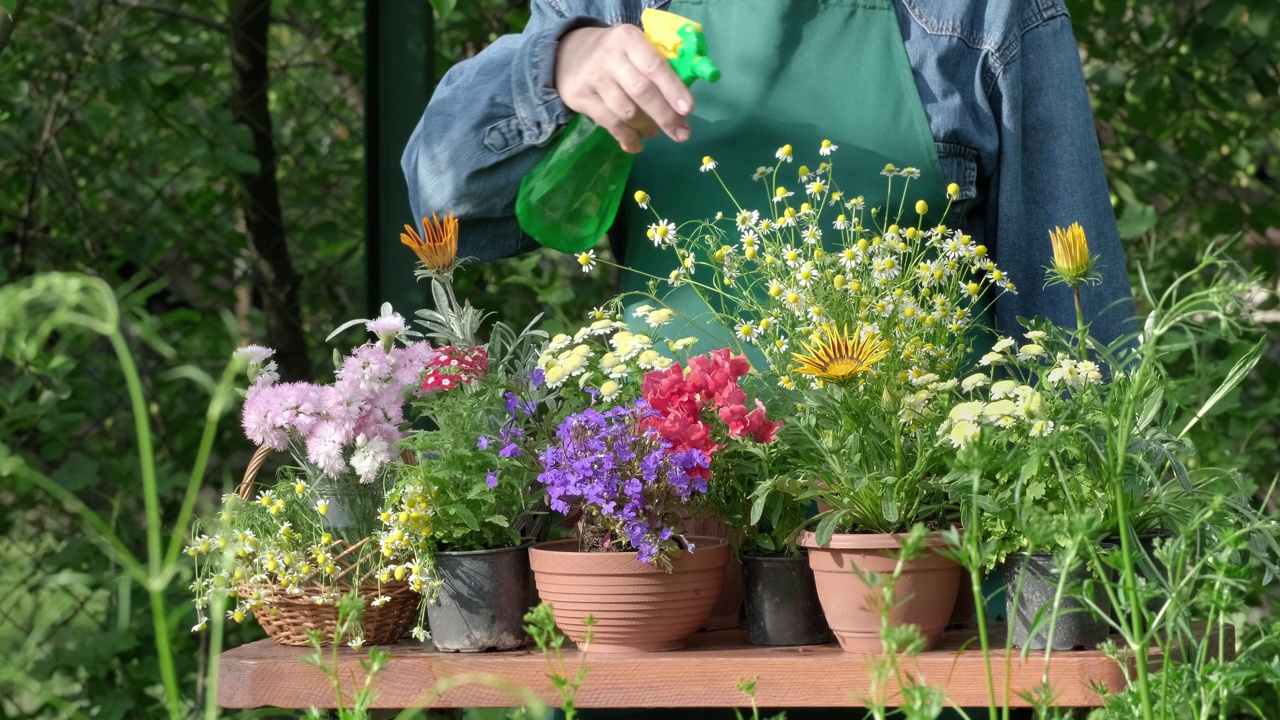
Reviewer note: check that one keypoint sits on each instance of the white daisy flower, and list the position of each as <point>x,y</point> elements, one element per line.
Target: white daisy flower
<point>812,235</point>
<point>974,381</point>
<point>781,194</point>
<point>747,219</point>
<point>707,164</point>
<point>806,274</point>
<point>827,147</point>
<point>1026,352</point>
<point>587,260</point>
<point>746,332</point>
<point>761,172</point>
<point>784,153</point>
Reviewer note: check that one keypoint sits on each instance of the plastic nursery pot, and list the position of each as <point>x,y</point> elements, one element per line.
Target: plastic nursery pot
<point>926,589</point>
<point>637,608</point>
<point>782,602</point>
<point>1031,582</point>
<point>482,599</point>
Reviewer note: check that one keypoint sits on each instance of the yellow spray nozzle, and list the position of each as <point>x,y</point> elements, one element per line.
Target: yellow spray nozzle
<point>681,41</point>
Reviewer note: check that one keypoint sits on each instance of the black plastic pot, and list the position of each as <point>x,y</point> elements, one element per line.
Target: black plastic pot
<point>782,602</point>
<point>1031,582</point>
<point>482,600</point>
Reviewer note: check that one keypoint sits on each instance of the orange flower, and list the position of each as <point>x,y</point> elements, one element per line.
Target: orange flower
<point>440,248</point>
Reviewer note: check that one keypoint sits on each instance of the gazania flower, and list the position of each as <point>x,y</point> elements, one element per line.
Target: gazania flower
<point>1071,254</point>
<point>440,247</point>
<point>833,355</point>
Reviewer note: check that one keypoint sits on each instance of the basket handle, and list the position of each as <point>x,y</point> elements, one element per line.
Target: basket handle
<point>245,490</point>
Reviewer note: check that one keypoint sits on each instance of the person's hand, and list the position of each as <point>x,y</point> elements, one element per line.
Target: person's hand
<point>615,77</point>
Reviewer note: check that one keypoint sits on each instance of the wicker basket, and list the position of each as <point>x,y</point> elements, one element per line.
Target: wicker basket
<point>286,617</point>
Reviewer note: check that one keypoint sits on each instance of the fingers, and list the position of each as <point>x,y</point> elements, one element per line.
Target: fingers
<point>648,78</point>
<point>617,78</point>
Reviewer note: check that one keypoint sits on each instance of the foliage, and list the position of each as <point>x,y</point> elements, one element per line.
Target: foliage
<point>541,626</point>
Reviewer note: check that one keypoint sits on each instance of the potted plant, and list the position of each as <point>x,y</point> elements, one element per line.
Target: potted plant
<point>629,471</point>
<point>289,548</point>
<point>862,321</point>
<point>764,516</point>
<point>465,512</point>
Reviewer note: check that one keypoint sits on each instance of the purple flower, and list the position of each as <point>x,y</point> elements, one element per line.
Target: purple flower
<point>482,442</point>
<point>491,479</point>
<point>510,451</point>
<point>537,378</point>
<point>625,482</point>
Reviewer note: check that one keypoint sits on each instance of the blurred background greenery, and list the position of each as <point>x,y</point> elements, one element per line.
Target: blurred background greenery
<point>136,145</point>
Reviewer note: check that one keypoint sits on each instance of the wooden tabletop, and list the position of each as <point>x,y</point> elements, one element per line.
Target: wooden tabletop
<point>264,674</point>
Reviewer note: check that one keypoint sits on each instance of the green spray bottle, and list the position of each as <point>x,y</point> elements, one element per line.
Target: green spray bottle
<point>569,200</point>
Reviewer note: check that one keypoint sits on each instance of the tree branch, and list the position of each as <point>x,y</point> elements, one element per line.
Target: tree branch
<point>8,22</point>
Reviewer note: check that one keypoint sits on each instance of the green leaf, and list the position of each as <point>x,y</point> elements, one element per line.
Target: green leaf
<point>498,520</point>
<point>828,526</point>
<point>757,505</point>
<point>465,515</point>
<point>765,541</point>
<point>1237,375</point>
<point>1035,490</point>
<point>241,163</point>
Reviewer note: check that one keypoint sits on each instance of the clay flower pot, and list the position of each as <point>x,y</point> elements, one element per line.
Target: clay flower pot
<point>728,610</point>
<point>926,590</point>
<point>637,608</point>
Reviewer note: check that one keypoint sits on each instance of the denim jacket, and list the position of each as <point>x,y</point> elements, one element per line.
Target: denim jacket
<point>1000,81</point>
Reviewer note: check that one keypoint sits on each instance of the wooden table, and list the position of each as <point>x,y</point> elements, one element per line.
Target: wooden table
<point>263,674</point>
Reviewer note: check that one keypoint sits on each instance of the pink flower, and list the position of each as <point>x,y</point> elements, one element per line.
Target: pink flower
<point>387,326</point>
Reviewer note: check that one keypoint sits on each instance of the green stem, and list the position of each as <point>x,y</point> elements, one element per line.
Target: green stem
<point>217,404</point>
<point>151,501</point>
<point>979,601</point>
<point>1135,612</point>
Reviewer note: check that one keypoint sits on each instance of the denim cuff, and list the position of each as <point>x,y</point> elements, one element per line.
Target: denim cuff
<point>538,106</point>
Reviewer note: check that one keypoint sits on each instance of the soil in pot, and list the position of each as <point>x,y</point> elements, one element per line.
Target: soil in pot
<point>926,590</point>
<point>1031,582</point>
<point>482,600</point>
<point>637,608</point>
<point>782,602</point>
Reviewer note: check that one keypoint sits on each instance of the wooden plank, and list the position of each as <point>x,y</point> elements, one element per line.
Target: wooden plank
<point>263,674</point>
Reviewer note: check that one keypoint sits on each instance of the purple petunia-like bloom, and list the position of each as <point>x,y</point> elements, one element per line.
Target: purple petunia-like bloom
<point>625,480</point>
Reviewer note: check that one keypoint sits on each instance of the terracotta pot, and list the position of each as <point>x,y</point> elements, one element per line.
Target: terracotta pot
<point>637,608</point>
<point>926,590</point>
<point>728,611</point>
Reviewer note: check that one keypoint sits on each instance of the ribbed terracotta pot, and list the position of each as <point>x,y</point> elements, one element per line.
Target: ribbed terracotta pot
<point>637,608</point>
<point>926,590</point>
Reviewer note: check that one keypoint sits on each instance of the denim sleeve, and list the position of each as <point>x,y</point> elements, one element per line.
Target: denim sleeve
<point>489,122</point>
<point>1050,174</point>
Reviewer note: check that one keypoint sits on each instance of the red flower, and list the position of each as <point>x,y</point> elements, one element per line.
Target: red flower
<point>454,366</point>
<point>689,404</point>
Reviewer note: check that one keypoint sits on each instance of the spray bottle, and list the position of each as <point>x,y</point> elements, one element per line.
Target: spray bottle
<point>570,198</point>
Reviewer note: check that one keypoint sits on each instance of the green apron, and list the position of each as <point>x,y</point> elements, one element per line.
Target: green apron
<point>795,72</point>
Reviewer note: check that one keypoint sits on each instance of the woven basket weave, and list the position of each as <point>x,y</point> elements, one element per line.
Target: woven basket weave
<point>287,617</point>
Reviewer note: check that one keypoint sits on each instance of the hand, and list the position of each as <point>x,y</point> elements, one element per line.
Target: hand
<point>615,77</point>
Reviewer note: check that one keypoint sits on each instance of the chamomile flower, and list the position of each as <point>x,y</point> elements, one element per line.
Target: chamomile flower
<point>380,600</point>
<point>964,433</point>
<point>641,310</point>
<point>781,194</point>
<point>815,188</point>
<point>974,381</point>
<point>682,343</point>
<point>775,289</point>
<point>805,274</point>
<point>707,164</point>
<point>792,256</point>
<point>587,260</point>
<point>747,219</point>
<point>746,331</point>
<point>804,173</point>
<point>786,382</point>
<point>792,298</point>
<point>841,223</point>
<point>749,239</point>
<point>322,506</point>
<point>662,233</point>
<point>884,269</point>
<point>788,218</point>
<point>1089,372</point>
<point>812,235</point>
<point>827,147</point>
<point>889,170</point>
<point>642,199</point>
<point>991,358</point>
<point>784,153</point>
<point>760,173</point>
<point>1040,428</point>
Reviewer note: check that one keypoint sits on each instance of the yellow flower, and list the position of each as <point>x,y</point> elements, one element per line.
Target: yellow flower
<point>609,390</point>
<point>440,247</point>
<point>1071,253</point>
<point>642,198</point>
<point>953,191</point>
<point>833,355</point>
<point>922,207</point>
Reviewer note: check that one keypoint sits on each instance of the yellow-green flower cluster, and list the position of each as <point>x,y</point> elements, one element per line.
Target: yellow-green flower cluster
<point>606,358</point>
